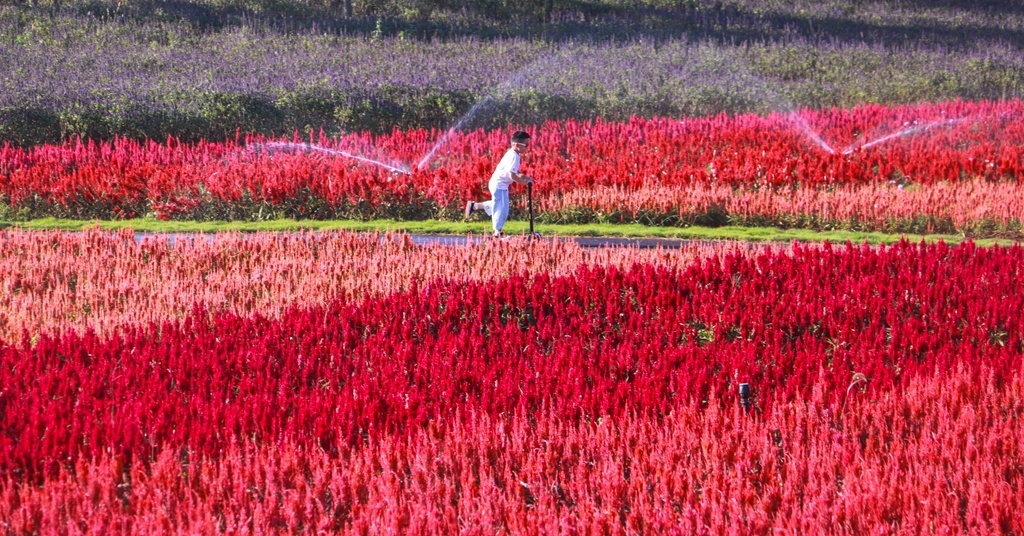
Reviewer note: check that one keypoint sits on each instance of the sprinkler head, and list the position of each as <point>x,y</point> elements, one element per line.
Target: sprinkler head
<point>745,396</point>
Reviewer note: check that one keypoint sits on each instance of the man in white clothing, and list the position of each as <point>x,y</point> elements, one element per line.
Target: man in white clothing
<point>504,175</point>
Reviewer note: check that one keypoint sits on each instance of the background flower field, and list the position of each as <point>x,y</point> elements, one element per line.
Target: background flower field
<point>951,167</point>
<point>206,68</point>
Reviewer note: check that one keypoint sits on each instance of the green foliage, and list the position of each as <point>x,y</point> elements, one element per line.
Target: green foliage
<point>305,206</point>
<point>226,113</point>
<point>29,126</point>
<point>150,224</point>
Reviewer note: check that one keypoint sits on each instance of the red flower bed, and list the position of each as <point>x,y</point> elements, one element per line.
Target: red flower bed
<point>51,282</point>
<point>951,166</point>
<point>885,390</point>
<point>945,454</point>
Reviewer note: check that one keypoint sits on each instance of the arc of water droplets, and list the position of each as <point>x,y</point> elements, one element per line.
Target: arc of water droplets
<point>335,152</point>
<point>458,124</point>
<point>810,132</point>
<point>539,63</point>
<point>905,132</point>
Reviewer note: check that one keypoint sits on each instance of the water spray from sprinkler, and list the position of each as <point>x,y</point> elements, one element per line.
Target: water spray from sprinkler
<point>903,133</point>
<point>458,125</point>
<point>810,132</point>
<point>309,147</point>
<point>499,92</point>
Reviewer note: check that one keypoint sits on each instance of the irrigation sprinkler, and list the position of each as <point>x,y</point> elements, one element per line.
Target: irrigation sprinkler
<point>745,396</point>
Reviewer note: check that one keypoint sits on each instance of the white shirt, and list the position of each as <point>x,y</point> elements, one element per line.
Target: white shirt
<point>502,177</point>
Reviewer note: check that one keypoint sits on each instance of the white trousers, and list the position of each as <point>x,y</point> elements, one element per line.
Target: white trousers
<point>497,208</point>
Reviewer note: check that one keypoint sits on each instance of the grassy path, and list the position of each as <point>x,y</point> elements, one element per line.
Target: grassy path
<point>757,234</point>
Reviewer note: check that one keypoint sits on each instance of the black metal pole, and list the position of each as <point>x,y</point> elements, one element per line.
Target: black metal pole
<point>529,203</point>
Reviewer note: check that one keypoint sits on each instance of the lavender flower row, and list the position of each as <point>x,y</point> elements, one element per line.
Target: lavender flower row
<point>74,74</point>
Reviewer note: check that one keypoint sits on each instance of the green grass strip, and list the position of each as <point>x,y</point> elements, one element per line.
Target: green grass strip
<point>750,234</point>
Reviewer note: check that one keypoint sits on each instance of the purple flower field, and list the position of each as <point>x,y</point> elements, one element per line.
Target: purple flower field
<point>100,69</point>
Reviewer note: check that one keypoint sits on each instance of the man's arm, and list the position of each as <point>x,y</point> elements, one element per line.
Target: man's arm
<point>521,178</point>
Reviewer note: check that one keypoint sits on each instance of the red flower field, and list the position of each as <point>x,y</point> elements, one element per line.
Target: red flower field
<point>335,382</point>
<point>950,167</point>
